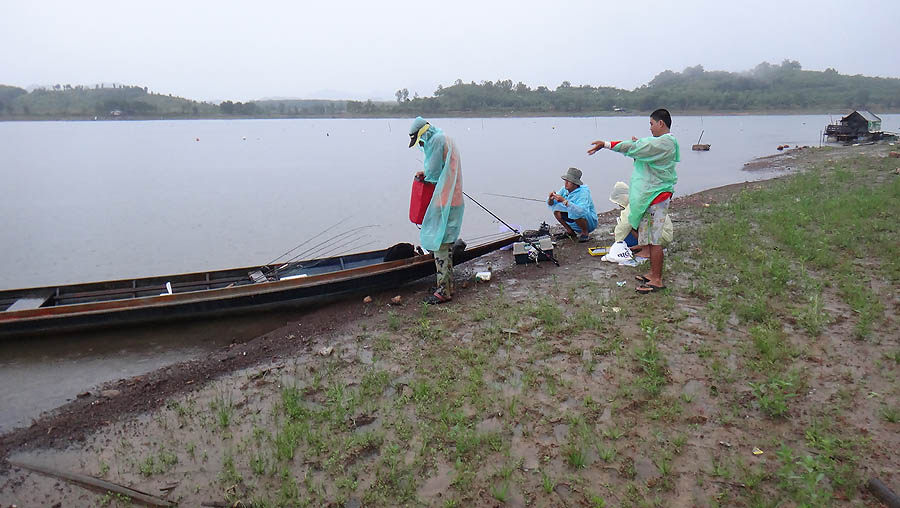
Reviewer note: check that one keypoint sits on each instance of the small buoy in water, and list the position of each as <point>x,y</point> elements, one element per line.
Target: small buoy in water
<point>244,138</point>
<point>198,139</point>
<point>326,134</point>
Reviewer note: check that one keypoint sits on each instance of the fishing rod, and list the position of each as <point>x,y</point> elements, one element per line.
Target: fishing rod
<point>514,230</point>
<point>318,245</point>
<point>342,244</point>
<point>515,197</point>
<point>308,240</point>
<point>345,251</point>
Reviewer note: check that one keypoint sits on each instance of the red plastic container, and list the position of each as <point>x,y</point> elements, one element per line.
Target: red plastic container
<point>419,200</point>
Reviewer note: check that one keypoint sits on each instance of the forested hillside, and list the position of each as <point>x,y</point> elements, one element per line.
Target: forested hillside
<point>765,88</point>
<point>66,101</point>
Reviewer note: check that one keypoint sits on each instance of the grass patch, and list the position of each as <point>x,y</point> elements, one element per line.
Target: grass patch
<point>774,394</point>
<point>759,254</point>
<point>650,361</point>
<point>548,314</point>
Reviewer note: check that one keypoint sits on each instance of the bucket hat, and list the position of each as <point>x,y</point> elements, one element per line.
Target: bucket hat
<point>573,175</point>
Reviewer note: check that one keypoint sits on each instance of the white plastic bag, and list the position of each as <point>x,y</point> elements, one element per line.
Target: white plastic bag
<point>619,253</point>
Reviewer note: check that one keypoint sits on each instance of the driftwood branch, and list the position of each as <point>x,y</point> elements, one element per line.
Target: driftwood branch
<point>883,493</point>
<point>95,483</point>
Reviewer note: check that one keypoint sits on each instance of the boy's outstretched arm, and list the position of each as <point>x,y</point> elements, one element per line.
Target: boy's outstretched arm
<point>597,145</point>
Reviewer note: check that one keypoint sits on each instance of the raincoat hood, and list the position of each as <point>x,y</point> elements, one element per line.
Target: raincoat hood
<point>619,194</point>
<point>420,130</point>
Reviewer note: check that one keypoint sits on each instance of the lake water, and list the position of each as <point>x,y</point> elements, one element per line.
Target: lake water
<point>84,201</point>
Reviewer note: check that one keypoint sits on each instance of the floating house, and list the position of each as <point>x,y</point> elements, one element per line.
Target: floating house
<point>857,126</point>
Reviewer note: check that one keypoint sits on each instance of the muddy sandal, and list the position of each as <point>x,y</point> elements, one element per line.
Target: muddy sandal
<point>437,298</point>
<point>646,289</point>
<point>640,278</point>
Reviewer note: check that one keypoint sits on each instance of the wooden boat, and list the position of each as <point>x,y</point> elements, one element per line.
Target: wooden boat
<point>700,147</point>
<point>120,302</point>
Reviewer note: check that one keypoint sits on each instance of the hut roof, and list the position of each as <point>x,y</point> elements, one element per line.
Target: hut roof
<point>869,117</point>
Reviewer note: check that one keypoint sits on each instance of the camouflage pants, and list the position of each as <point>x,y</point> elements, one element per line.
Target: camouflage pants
<point>444,266</point>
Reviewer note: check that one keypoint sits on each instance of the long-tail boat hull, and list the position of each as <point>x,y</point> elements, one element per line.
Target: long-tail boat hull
<point>204,294</point>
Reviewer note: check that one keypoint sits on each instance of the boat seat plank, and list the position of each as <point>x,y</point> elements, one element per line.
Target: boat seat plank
<point>31,301</point>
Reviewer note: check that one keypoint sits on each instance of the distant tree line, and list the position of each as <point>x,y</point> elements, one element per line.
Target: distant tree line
<point>767,87</point>
<point>67,101</point>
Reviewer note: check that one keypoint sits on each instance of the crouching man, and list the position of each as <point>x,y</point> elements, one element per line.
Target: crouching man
<point>573,206</point>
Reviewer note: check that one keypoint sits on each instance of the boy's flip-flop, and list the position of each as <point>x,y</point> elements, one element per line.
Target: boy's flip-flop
<point>641,279</point>
<point>584,238</point>
<point>646,289</point>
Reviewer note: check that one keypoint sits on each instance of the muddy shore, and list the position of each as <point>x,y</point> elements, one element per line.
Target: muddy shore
<point>144,410</point>
<point>311,329</point>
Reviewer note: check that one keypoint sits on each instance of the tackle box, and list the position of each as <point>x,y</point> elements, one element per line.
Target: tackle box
<point>526,253</point>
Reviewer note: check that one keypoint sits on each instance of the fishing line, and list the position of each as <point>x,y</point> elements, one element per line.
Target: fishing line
<point>492,236</point>
<point>323,242</point>
<point>355,248</point>
<point>338,245</point>
<point>346,251</point>
<point>533,244</point>
<point>326,249</point>
<point>515,197</point>
<point>307,241</point>
<point>314,253</point>
<point>329,239</point>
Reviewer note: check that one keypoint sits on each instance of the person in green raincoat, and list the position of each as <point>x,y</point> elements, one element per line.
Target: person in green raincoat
<point>443,217</point>
<point>652,185</point>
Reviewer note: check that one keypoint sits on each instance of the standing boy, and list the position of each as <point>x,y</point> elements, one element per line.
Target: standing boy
<point>652,184</point>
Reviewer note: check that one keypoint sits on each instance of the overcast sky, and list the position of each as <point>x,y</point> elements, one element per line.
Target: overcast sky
<point>218,50</point>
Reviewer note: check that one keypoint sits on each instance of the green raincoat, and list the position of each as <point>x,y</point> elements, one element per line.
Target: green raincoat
<point>443,218</point>
<point>654,171</point>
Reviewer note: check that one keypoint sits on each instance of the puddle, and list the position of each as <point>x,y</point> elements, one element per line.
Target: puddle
<point>46,372</point>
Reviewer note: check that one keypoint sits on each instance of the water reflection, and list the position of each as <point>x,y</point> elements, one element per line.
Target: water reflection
<point>87,201</point>
<point>38,374</point>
